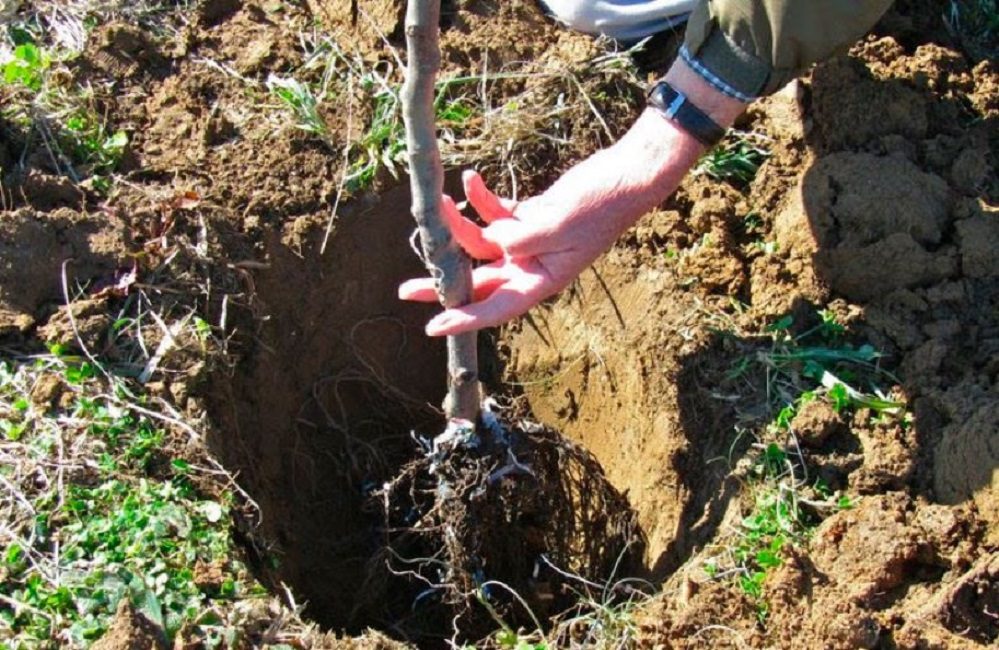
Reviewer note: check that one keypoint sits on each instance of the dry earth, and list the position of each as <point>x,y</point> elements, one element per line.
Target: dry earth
<point>880,196</point>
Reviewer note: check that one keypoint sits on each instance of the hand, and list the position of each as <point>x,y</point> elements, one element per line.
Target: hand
<point>535,249</point>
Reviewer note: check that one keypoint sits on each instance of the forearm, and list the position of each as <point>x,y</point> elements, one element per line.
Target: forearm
<point>617,185</point>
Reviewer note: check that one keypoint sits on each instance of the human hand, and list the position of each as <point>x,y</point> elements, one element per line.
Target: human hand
<point>535,248</point>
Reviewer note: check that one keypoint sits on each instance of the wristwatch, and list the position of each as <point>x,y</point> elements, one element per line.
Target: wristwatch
<point>675,106</point>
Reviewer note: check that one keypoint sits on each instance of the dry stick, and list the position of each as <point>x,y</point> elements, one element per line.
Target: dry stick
<point>447,263</point>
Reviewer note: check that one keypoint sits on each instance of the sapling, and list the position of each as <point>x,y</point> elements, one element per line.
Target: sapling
<point>445,260</point>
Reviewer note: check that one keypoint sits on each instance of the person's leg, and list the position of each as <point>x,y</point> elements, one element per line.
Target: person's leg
<point>623,20</point>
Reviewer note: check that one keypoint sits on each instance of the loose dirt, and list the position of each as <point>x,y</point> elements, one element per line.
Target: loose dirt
<point>879,200</point>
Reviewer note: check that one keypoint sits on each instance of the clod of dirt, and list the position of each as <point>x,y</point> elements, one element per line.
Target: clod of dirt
<point>85,321</point>
<point>969,171</point>
<point>815,422</point>
<point>855,199</point>
<point>705,616</point>
<point>366,24</point>
<point>896,262</point>
<point>212,12</point>
<point>977,236</point>
<point>890,456</point>
<point>846,91</point>
<point>865,574</point>
<point>967,457</point>
<point>985,97</point>
<point>47,191</point>
<point>875,545</point>
<point>125,51</point>
<point>33,247</point>
<point>131,630</point>
<point>959,616</point>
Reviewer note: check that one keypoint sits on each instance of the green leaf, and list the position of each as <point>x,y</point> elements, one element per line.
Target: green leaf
<point>13,431</point>
<point>840,397</point>
<point>507,638</point>
<point>13,554</point>
<point>117,142</point>
<point>781,324</point>
<point>78,374</point>
<point>784,417</point>
<point>767,559</point>
<point>28,53</point>
<point>146,602</point>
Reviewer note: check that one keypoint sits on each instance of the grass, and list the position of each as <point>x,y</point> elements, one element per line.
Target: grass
<point>371,92</point>
<point>604,617</point>
<point>303,103</point>
<point>100,506</point>
<point>819,359</point>
<point>976,24</point>
<point>782,504</point>
<point>62,115</point>
<point>736,159</point>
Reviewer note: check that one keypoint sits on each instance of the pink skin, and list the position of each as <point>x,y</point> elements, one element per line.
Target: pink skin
<point>536,247</point>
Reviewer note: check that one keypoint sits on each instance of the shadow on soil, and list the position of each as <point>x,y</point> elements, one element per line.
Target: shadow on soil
<point>318,413</point>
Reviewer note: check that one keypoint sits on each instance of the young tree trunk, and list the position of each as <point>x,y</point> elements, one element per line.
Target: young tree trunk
<point>445,260</point>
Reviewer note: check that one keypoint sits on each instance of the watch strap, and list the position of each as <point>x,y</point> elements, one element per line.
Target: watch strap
<point>676,107</point>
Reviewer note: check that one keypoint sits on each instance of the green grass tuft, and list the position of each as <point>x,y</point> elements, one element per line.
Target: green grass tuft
<point>736,159</point>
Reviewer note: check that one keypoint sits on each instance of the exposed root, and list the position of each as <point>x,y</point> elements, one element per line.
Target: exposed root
<point>502,506</point>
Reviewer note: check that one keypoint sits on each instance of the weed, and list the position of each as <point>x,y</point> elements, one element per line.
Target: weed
<point>737,159</point>
<point>26,66</point>
<point>302,101</point>
<point>976,23</point>
<point>383,143</point>
<point>62,115</point>
<point>775,521</point>
<point>818,360</point>
<point>92,144</point>
<point>815,364</point>
<point>89,519</point>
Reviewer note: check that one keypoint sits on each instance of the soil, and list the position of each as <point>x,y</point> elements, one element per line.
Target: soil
<point>130,630</point>
<point>880,201</point>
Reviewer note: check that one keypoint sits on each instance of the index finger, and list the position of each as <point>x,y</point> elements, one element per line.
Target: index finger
<point>489,206</point>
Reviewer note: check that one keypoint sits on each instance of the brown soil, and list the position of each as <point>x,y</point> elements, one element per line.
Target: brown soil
<point>130,630</point>
<point>880,196</point>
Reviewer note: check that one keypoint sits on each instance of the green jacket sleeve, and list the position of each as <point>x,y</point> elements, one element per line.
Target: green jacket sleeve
<point>749,48</point>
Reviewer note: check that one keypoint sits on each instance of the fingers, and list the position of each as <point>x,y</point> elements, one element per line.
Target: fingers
<point>485,280</point>
<point>467,233</point>
<point>506,302</point>
<point>517,236</point>
<point>489,206</point>
<point>521,238</point>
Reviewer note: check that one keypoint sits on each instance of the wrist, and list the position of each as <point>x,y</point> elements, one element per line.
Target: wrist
<point>721,108</point>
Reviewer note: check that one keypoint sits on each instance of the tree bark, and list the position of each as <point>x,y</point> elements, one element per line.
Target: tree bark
<point>445,260</point>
